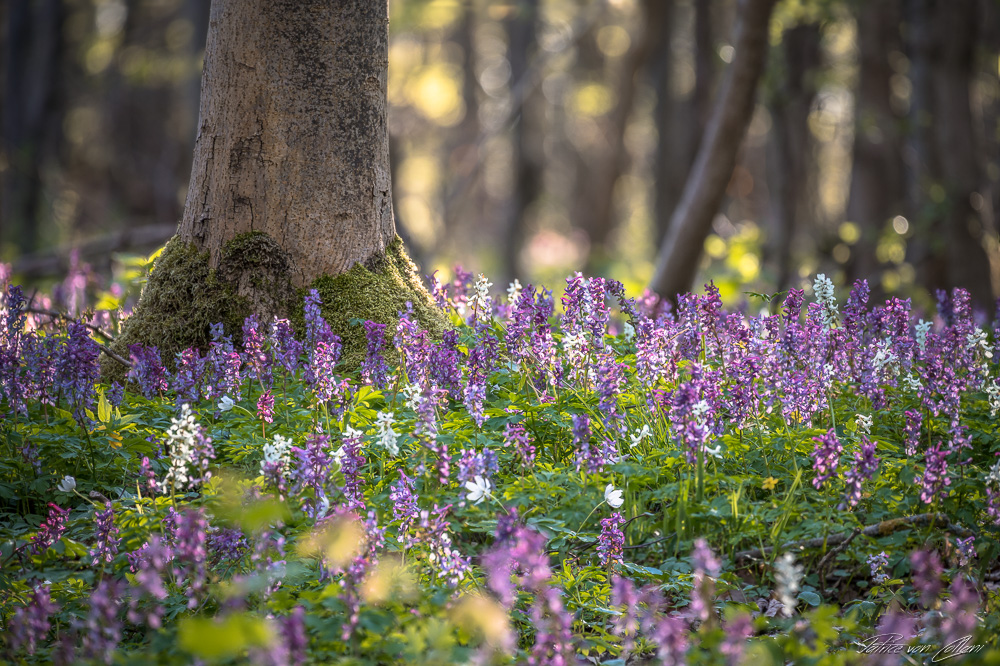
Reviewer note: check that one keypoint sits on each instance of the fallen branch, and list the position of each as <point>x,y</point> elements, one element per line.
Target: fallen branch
<point>878,529</point>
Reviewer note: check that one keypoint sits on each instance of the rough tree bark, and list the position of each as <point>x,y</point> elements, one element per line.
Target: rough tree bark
<point>290,186</point>
<point>678,258</point>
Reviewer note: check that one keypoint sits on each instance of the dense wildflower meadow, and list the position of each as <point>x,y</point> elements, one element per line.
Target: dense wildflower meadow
<point>588,478</point>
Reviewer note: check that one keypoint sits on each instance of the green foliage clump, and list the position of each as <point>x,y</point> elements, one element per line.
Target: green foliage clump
<point>179,303</point>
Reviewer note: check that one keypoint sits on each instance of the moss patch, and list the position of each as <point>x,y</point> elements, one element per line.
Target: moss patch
<point>378,291</point>
<point>184,297</point>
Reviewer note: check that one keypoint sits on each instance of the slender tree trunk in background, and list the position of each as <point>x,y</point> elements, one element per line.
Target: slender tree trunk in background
<point>919,157</point>
<point>680,124</point>
<point>795,160</point>
<point>32,51</point>
<point>463,196</point>
<point>153,121</point>
<point>967,261</point>
<point>595,201</point>
<point>943,158</point>
<point>680,253</point>
<point>527,144</point>
<point>876,192</point>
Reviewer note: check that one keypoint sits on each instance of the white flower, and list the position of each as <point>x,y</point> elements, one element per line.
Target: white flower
<point>788,576</point>
<point>912,382</point>
<point>68,484</point>
<point>413,396</point>
<point>864,424</point>
<point>823,290</point>
<point>481,302</point>
<point>613,497</point>
<point>978,339</point>
<point>278,451</point>
<point>226,404</point>
<point>640,435</point>
<point>513,292</point>
<point>993,478</point>
<point>717,451</point>
<point>885,358</point>
<point>993,394</point>
<point>922,329</point>
<point>386,435</point>
<point>478,489</point>
<point>629,332</point>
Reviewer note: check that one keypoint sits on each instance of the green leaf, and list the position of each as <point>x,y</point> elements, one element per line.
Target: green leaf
<point>103,408</point>
<point>810,598</point>
<point>212,639</point>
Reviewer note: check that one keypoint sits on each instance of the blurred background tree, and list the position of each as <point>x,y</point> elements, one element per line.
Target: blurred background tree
<point>531,138</point>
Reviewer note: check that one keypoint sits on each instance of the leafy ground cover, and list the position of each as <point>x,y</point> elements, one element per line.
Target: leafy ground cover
<point>616,482</point>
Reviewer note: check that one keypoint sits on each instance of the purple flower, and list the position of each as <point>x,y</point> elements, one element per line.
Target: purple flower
<point>959,612</point>
<point>30,625</point>
<point>926,569</point>
<point>50,531</point>
<point>738,630</point>
<point>612,539</point>
<point>222,365</point>
<point>826,457</point>
<point>147,371</point>
<point>472,463</point>
<point>286,349</point>
<point>554,645</point>
<point>228,543</point>
<point>443,364</point>
<point>190,553</point>
<point>374,369</point>
<point>966,550</point>
<point>706,567</point>
<point>310,473</point>
<point>77,369</point>
<point>106,540</point>
<point>265,407</point>
<point>865,466</point>
<point>935,477</point>
<point>102,630</point>
<point>517,560</point>
<point>147,473</point>
<point>187,378</point>
<point>626,625</point>
<point>404,501</point>
<point>911,433</point>
<point>352,461</point>
<point>516,437</point>
<point>877,563</point>
<point>894,629</point>
<point>116,394</point>
<point>255,352</point>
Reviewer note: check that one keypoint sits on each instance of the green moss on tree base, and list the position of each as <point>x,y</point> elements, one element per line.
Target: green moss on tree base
<point>378,291</point>
<point>185,296</point>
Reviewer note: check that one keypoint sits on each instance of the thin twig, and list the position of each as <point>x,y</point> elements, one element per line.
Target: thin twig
<point>65,317</point>
<point>113,355</point>
<point>878,529</point>
<point>828,558</point>
<point>106,336</point>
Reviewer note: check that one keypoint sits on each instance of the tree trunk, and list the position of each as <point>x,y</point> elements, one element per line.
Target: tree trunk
<point>793,147</point>
<point>292,136</point>
<point>677,262</point>
<point>527,145</point>
<point>290,186</point>
<point>943,160</point>
<point>876,180</point>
